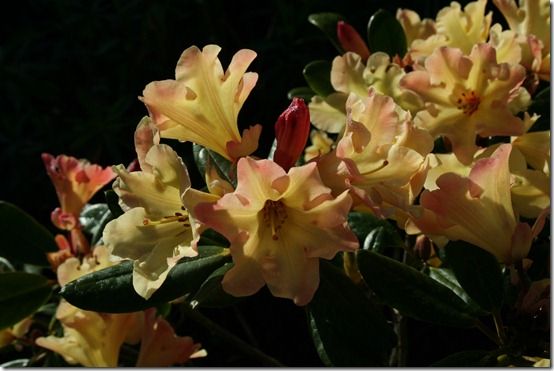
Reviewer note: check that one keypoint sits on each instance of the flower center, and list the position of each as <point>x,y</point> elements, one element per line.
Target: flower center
<point>179,217</point>
<point>468,102</point>
<point>275,215</point>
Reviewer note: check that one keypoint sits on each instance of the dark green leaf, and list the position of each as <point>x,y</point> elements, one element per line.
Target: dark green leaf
<point>478,272</point>
<point>467,358</point>
<point>385,34</point>
<point>303,92</point>
<point>348,331</point>
<point>111,290</point>
<point>112,200</point>
<point>21,294</point>
<point>541,106</point>
<point>318,77</point>
<point>204,157</point>
<point>22,238</point>
<point>211,294</point>
<point>94,218</point>
<point>411,292</point>
<point>212,238</point>
<point>373,232</point>
<point>446,277</point>
<point>327,22</point>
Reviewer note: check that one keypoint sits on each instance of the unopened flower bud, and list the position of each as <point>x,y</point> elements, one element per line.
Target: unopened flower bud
<point>425,251</point>
<point>291,131</point>
<point>351,41</point>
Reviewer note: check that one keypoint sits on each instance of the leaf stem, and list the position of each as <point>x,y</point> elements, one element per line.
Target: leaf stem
<point>488,332</point>
<point>229,338</point>
<point>499,326</point>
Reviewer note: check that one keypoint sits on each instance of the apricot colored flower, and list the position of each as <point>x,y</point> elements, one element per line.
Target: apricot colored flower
<point>478,209</point>
<point>466,96</point>
<point>381,157</point>
<point>76,181</point>
<point>530,18</point>
<point>16,331</point>
<point>279,224</point>
<point>202,104</point>
<point>155,231</point>
<point>89,338</point>
<point>161,347</point>
<point>455,28</point>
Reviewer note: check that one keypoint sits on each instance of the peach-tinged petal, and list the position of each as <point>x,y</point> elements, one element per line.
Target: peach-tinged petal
<point>535,146</point>
<point>146,136</point>
<point>347,74</point>
<point>203,103</point>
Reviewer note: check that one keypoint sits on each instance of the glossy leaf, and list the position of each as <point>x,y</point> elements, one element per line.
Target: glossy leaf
<point>411,292</point>
<point>21,294</point>
<point>303,92</point>
<point>385,34</point>
<point>211,293</point>
<point>478,272</point>
<point>111,289</point>
<point>22,238</point>
<point>318,77</point>
<point>374,233</point>
<point>204,157</point>
<point>347,329</point>
<point>541,106</point>
<point>94,218</point>
<point>327,22</point>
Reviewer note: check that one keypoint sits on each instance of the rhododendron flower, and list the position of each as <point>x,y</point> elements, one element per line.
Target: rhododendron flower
<point>456,29</point>
<point>161,347</point>
<point>466,96</point>
<point>89,338</point>
<point>203,103</point>
<point>16,331</point>
<point>381,157</point>
<point>531,18</point>
<point>321,144</point>
<point>155,231</point>
<point>478,209</point>
<point>76,181</point>
<point>279,224</point>
<point>414,27</point>
<point>291,133</point>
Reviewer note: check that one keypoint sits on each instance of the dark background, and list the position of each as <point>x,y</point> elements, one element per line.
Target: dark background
<point>70,75</point>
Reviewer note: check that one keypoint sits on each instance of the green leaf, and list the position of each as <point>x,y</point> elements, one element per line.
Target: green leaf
<point>211,293</point>
<point>21,294</point>
<point>348,331</point>
<point>111,290</point>
<point>541,106</point>
<point>385,34</point>
<point>204,157</point>
<point>318,77</point>
<point>22,362</point>
<point>467,358</point>
<point>478,272</point>
<point>22,238</point>
<point>327,22</point>
<point>411,292</point>
<point>303,92</point>
<point>373,232</point>
<point>112,200</point>
<point>447,278</point>
<point>94,218</point>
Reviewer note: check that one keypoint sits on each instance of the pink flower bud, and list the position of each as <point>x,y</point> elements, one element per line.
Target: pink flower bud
<point>351,41</point>
<point>291,130</point>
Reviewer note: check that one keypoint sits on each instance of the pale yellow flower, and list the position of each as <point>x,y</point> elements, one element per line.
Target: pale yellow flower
<point>203,103</point>
<point>321,144</point>
<point>414,27</point>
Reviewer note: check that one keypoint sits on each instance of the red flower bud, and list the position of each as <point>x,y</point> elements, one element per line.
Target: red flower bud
<point>291,131</point>
<point>351,41</point>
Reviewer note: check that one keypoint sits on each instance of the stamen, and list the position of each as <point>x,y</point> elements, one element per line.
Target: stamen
<point>179,217</point>
<point>274,215</point>
<point>468,102</point>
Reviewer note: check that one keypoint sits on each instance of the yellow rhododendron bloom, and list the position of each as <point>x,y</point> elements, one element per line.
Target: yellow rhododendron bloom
<point>478,209</point>
<point>456,29</point>
<point>202,104</point>
<point>466,96</point>
<point>530,18</point>
<point>279,224</point>
<point>16,331</point>
<point>381,157</point>
<point>321,144</point>
<point>89,338</point>
<point>155,231</point>
<point>414,27</point>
